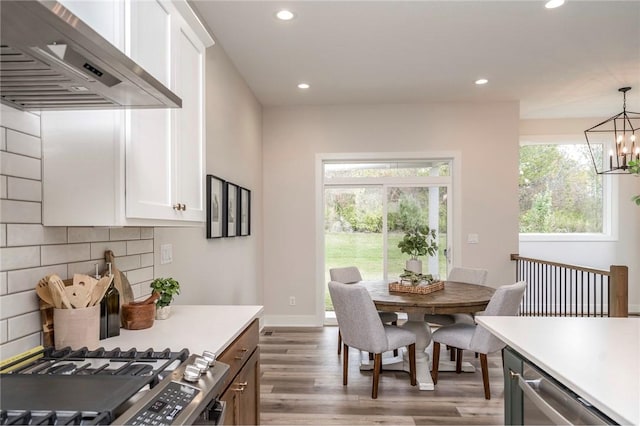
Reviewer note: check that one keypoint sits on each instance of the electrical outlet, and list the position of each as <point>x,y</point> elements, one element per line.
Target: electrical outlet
<point>166,254</point>
<point>292,301</point>
<point>473,238</point>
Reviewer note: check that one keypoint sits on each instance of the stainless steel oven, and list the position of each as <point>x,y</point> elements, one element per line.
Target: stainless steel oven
<point>532,397</point>
<point>101,387</point>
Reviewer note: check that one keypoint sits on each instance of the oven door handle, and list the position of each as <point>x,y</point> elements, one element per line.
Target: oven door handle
<point>528,387</point>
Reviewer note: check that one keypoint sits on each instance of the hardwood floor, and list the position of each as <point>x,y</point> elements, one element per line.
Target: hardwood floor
<point>301,383</point>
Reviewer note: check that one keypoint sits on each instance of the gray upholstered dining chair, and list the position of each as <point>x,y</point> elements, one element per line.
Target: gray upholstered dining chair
<point>461,275</point>
<point>350,275</point>
<point>362,329</point>
<point>462,336</point>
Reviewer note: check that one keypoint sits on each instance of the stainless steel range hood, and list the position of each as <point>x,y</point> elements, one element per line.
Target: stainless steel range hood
<point>51,60</point>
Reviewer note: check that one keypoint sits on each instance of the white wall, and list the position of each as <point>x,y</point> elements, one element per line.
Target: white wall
<point>486,135</point>
<point>227,270</point>
<point>624,249</point>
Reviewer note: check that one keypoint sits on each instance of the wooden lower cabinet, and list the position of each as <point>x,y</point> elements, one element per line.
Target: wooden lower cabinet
<point>242,393</point>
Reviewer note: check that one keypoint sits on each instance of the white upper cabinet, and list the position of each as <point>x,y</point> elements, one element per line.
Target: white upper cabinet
<point>147,166</point>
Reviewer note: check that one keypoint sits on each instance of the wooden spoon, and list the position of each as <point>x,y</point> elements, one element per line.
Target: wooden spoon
<point>86,281</point>
<point>56,286</point>
<point>42,289</point>
<point>78,296</point>
<point>100,289</point>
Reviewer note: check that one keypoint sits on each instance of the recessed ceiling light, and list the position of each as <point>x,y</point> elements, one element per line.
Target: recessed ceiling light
<point>481,81</point>
<point>552,4</point>
<point>303,86</point>
<point>285,15</point>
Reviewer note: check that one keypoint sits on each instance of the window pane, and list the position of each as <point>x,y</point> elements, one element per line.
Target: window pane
<point>559,189</point>
<point>353,232</point>
<point>408,207</point>
<point>386,169</point>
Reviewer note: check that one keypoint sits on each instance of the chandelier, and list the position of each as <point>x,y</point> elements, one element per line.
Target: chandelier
<point>619,136</point>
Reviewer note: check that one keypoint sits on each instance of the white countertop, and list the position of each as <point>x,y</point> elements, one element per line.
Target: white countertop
<point>597,358</point>
<point>195,327</point>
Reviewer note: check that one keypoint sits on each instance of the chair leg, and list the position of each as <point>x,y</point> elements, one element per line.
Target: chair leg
<point>377,366</point>
<point>459,361</point>
<point>485,376</point>
<point>370,356</point>
<point>412,363</point>
<point>395,351</point>
<point>452,353</point>
<point>345,364</point>
<point>436,362</point>
<point>339,341</point>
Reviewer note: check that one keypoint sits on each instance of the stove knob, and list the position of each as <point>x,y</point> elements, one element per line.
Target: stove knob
<point>201,363</point>
<point>191,373</point>
<point>210,357</point>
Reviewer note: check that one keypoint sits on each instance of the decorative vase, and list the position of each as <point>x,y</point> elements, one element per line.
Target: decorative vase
<point>163,312</point>
<point>414,265</point>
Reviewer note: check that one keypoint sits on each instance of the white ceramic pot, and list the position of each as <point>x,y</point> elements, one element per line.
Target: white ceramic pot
<point>414,265</point>
<point>163,312</point>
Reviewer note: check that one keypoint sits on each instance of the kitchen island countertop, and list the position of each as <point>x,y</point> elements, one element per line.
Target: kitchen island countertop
<point>597,358</point>
<point>195,327</point>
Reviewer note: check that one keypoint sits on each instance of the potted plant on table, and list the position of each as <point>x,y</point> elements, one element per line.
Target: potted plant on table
<point>419,241</point>
<point>167,288</point>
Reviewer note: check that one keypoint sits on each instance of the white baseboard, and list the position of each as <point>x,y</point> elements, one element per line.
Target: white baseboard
<point>291,321</point>
<point>634,309</point>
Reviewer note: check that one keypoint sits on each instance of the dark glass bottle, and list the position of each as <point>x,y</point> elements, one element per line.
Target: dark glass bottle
<point>110,313</point>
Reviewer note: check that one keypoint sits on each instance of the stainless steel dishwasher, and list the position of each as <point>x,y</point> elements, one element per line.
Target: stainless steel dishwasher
<point>532,397</point>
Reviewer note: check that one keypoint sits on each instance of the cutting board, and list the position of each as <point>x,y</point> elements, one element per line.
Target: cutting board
<point>120,282</point>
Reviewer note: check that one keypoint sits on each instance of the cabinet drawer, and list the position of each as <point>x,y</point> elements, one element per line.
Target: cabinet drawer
<point>238,352</point>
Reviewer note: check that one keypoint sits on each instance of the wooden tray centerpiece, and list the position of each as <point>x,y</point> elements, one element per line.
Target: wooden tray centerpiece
<point>410,282</point>
<point>417,289</point>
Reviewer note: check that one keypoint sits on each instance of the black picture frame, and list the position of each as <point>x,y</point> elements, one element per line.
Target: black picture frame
<point>244,208</point>
<point>232,209</point>
<point>216,203</point>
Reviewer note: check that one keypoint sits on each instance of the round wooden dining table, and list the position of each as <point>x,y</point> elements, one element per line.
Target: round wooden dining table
<point>454,298</point>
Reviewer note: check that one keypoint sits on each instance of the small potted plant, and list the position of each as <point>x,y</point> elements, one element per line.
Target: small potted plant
<point>419,241</point>
<point>167,288</point>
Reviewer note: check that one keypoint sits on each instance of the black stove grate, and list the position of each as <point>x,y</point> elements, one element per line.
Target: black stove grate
<point>61,388</point>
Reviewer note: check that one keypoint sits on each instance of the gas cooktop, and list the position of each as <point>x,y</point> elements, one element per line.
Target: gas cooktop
<point>80,386</point>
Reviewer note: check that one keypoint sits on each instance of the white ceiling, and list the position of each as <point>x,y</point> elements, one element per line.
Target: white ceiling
<point>565,62</point>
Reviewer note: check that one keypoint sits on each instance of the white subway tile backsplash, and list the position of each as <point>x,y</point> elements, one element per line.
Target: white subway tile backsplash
<point>22,143</point>
<point>139,246</point>
<point>3,283</point>
<point>20,211</point>
<point>65,253</point>
<point>26,279</point>
<point>24,325</point>
<point>18,120</point>
<point>87,268</point>
<point>124,234</point>
<point>146,260</point>
<point>15,347</point>
<point>3,187</point>
<point>146,233</point>
<point>3,235</point>
<point>18,303</point>
<point>4,333</point>
<point>19,257</point>
<point>31,235</point>
<point>119,248</point>
<point>141,290</point>
<point>3,139</point>
<point>86,234</point>
<point>139,275</point>
<point>24,189</point>
<point>19,165</point>
<point>127,263</point>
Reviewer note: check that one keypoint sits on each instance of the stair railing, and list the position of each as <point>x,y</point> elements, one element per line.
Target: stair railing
<point>558,289</point>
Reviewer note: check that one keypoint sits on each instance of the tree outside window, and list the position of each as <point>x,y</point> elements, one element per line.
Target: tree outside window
<point>559,190</point>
